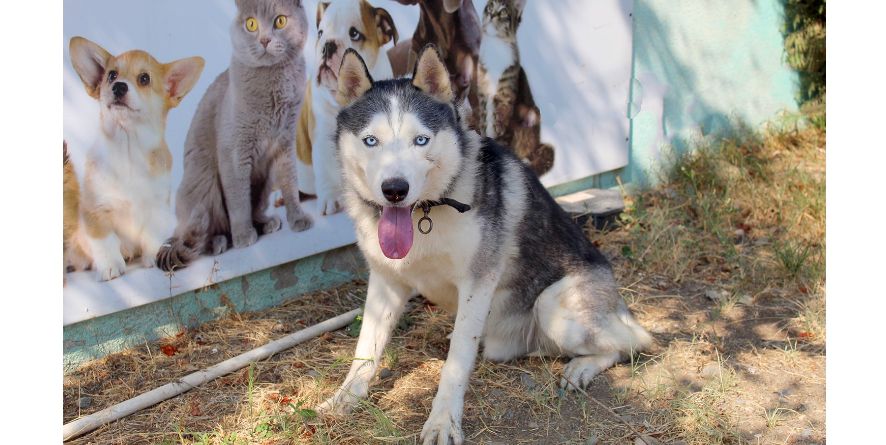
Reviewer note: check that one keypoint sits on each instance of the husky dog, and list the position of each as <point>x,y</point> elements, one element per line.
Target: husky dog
<point>495,248</point>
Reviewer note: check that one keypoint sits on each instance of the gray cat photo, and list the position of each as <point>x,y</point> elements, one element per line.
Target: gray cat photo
<point>239,146</point>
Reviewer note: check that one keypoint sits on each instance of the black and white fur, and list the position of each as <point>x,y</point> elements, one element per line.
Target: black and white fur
<point>519,274</point>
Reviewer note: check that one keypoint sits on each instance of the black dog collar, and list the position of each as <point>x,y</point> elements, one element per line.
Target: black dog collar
<point>426,207</point>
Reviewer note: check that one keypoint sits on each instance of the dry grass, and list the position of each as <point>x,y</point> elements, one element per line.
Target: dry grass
<point>742,221</point>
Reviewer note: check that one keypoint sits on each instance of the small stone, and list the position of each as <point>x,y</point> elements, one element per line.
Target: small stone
<point>497,393</point>
<point>533,425</point>
<point>739,236</point>
<point>716,294</point>
<point>313,373</point>
<point>214,350</point>
<point>84,402</point>
<point>646,440</point>
<point>528,381</point>
<point>671,193</point>
<point>746,299</point>
<point>710,370</point>
<point>385,373</point>
<point>593,440</point>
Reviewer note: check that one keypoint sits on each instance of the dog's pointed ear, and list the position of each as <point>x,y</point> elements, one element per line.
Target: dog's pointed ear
<point>385,24</point>
<point>321,8</point>
<point>89,62</point>
<point>431,75</point>
<point>353,78</point>
<point>181,76</point>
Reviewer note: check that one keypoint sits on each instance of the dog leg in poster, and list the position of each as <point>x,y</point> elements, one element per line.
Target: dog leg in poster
<point>107,261</point>
<point>158,225</point>
<point>326,170</point>
<point>385,301</point>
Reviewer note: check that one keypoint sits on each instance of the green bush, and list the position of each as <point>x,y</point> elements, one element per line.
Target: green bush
<point>804,44</point>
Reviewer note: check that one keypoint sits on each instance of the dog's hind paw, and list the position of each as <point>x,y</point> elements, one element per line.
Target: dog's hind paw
<point>110,269</point>
<point>148,261</point>
<point>329,203</point>
<point>579,372</point>
<point>442,428</point>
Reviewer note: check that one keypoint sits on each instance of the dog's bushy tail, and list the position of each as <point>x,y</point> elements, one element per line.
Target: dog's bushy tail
<point>188,242</point>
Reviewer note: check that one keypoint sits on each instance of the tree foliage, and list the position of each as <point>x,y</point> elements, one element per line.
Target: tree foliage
<point>805,45</point>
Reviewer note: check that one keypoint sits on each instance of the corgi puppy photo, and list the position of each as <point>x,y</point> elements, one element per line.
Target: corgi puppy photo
<point>341,25</point>
<point>124,209</point>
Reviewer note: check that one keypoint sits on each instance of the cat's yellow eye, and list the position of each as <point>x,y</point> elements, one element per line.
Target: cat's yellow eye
<point>280,21</point>
<point>251,24</point>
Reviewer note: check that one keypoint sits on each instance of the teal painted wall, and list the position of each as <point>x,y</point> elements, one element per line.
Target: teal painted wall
<point>97,337</point>
<point>702,68</point>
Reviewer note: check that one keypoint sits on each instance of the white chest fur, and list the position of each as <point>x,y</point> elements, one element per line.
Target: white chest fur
<point>438,261</point>
<point>123,171</point>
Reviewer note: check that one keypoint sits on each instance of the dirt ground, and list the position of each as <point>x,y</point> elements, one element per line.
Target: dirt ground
<point>723,263</point>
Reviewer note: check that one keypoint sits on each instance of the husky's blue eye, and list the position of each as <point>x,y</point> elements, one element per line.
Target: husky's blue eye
<point>370,141</point>
<point>421,141</point>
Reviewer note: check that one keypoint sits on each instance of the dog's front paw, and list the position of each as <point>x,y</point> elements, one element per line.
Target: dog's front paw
<point>244,238</point>
<point>148,261</point>
<point>299,220</point>
<point>442,427</point>
<point>338,405</point>
<point>329,202</point>
<point>109,268</point>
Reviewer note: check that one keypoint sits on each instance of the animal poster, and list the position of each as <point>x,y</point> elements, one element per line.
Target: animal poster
<point>199,136</point>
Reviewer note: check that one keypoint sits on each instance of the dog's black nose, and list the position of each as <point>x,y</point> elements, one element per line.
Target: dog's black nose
<point>119,89</point>
<point>395,190</point>
<point>329,49</point>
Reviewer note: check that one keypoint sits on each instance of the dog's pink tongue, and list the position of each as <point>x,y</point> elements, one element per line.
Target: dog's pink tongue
<point>395,231</point>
